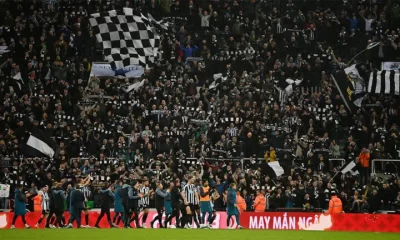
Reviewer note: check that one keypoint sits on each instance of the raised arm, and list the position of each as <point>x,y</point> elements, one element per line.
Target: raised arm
<point>161,193</point>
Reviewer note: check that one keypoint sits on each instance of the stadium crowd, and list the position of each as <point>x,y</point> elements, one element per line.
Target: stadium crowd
<point>211,107</point>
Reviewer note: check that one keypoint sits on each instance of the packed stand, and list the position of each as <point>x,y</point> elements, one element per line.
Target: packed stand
<point>212,106</point>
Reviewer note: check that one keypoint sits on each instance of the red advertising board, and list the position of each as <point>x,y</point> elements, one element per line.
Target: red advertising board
<point>270,220</point>
<point>33,217</point>
<point>321,222</point>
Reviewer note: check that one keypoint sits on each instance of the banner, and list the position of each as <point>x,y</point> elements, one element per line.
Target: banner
<point>390,66</point>
<point>321,222</point>
<point>350,85</point>
<point>251,220</point>
<point>105,70</point>
<point>4,190</point>
<point>33,217</point>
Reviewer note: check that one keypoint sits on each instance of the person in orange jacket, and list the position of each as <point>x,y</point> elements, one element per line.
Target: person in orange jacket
<point>364,158</point>
<point>260,203</point>
<point>335,204</point>
<point>240,202</point>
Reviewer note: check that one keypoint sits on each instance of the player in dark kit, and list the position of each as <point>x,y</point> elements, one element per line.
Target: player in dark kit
<point>77,205</point>
<point>177,203</point>
<point>130,200</point>
<point>59,199</point>
<point>107,197</point>
<point>159,202</point>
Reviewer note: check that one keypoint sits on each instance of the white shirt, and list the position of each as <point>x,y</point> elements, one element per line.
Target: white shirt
<point>368,23</point>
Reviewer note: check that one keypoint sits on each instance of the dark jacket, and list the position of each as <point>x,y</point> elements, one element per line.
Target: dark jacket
<point>77,200</point>
<point>159,199</point>
<point>19,207</point>
<point>176,197</point>
<point>130,198</point>
<point>59,198</point>
<point>107,197</point>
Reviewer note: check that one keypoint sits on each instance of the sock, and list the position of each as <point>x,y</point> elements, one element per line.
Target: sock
<point>23,219</point>
<point>97,221</point>
<point>211,220</point>
<point>190,220</point>
<point>237,220</point>
<point>144,218</point>
<point>87,219</point>
<point>40,221</point>
<point>228,220</point>
<point>165,221</point>
<point>203,218</point>
<point>183,220</point>
<point>194,216</point>
<point>160,221</point>
<point>118,220</point>
<point>51,220</point>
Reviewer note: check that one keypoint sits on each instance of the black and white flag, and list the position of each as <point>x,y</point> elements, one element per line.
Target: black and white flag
<point>276,167</point>
<point>218,79</point>
<point>351,85</point>
<point>40,144</point>
<point>384,82</point>
<point>18,81</point>
<point>127,37</point>
<point>349,167</point>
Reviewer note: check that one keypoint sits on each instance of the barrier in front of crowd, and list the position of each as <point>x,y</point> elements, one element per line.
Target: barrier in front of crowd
<point>265,221</point>
<point>341,160</point>
<point>233,159</point>
<point>373,165</point>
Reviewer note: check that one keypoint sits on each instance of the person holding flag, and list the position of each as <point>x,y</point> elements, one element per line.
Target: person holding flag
<point>232,208</point>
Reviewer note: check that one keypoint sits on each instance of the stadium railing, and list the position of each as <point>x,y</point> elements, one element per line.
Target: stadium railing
<point>383,161</point>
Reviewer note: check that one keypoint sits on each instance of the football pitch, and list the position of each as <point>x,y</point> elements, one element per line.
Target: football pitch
<point>181,234</point>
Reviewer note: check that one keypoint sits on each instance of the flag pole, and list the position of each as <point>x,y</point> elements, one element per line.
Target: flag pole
<point>335,175</point>
<point>370,46</point>
<point>340,92</point>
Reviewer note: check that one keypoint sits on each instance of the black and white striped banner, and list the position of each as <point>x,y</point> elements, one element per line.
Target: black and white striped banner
<point>64,117</point>
<point>384,82</point>
<point>191,162</point>
<point>102,130</point>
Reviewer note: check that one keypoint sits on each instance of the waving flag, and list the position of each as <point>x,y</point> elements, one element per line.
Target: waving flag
<point>127,37</point>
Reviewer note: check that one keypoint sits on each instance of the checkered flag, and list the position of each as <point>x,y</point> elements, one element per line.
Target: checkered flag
<point>127,37</point>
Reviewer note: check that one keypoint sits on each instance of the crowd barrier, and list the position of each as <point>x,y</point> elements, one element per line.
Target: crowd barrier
<point>266,220</point>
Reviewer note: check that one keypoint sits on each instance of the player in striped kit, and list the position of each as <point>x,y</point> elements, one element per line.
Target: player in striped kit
<point>84,188</point>
<point>45,205</point>
<point>191,198</point>
<point>144,202</point>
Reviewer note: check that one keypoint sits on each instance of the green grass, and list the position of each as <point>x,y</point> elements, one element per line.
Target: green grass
<point>190,234</point>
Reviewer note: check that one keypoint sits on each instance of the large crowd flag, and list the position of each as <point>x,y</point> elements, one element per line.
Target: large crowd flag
<point>40,144</point>
<point>278,170</point>
<point>351,86</point>
<point>127,37</point>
